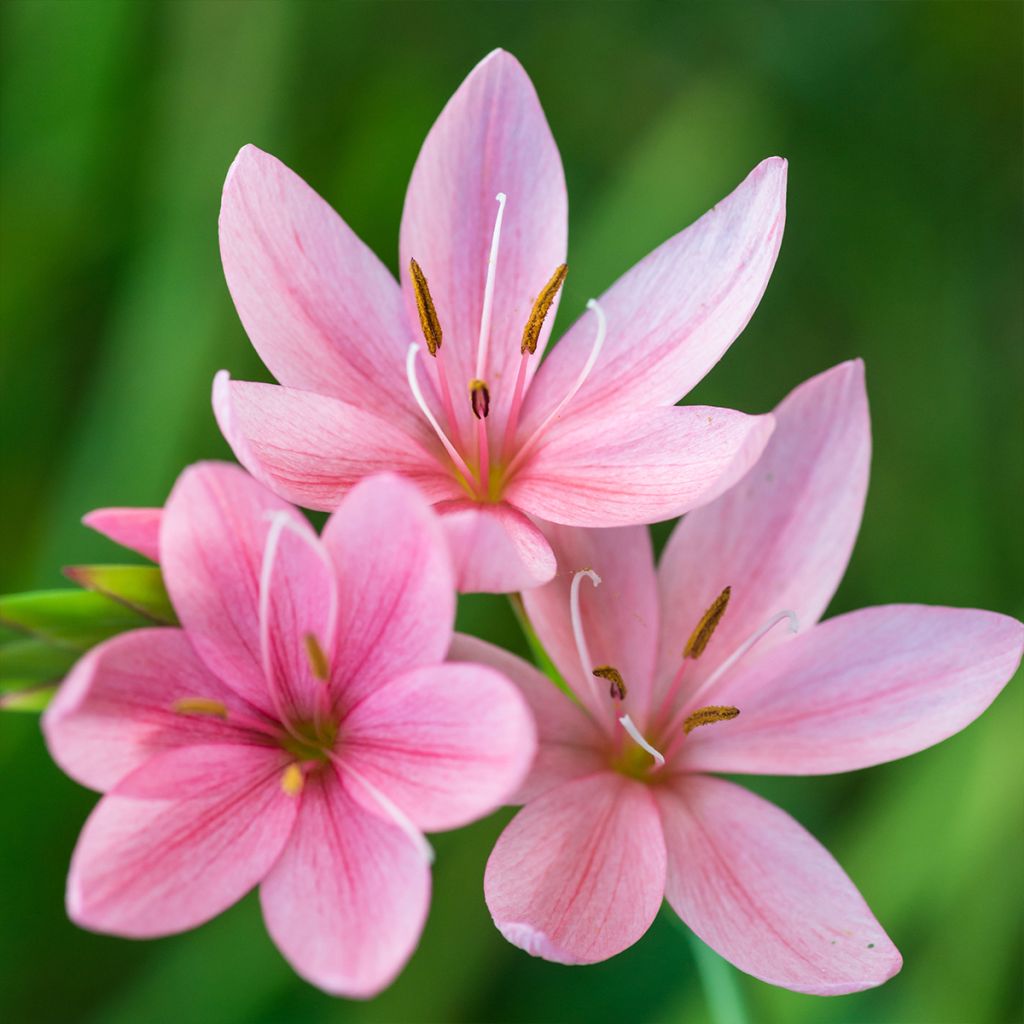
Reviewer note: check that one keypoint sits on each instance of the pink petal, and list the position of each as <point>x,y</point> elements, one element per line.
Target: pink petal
<point>765,894</point>
<point>396,602</point>
<point>346,902</point>
<point>491,137</point>
<point>676,312</point>
<point>115,710</point>
<point>569,743</point>
<point>135,528</point>
<point>298,617</point>
<point>495,548</point>
<point>446,744</point>
<point>636,467</point>
<point>212,544</point>
<point>579,873</point>
<point>180,840</point>
<point>859,690</point>
<point>312,449</point>
<point>620,617</point>
<point>322,311</point>
<point>782,537</point>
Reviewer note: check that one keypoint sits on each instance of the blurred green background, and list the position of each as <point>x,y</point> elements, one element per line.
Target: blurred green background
<point>902,124</point>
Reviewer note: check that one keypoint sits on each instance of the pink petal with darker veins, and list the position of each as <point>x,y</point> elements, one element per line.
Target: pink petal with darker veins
<point>858,690</point>
<point>312,449</point>
<point>348,898</point>
<point>636,467</point>
<point>491,137</point>
<point>212,546</point>
<point>782,537</point>
<point>396,592</point>
<point>569,746</point>
<point>495,548</point>
<point>765,894</point>
<point>320,308</point>
<point>116,709</point>
<point>135,528</point>
<point>446,744</point>
<point>677,311</point>
<point>579,873</point>
<point>180,840</point>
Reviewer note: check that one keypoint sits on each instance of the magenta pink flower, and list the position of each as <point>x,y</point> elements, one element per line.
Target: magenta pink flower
<point>590,438</point>
<point>298,732</point>
<point>691,669</point>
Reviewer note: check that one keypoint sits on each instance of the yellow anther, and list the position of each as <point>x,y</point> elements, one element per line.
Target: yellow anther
<point>317,659</point>
<point>200,706</point>
<point>707,716</point>
<point>480,398</point>
<point>709,621</point>
<point>429,323</point>
<point>292,779</point>
<point>531,332</point>
<point>616,685</point>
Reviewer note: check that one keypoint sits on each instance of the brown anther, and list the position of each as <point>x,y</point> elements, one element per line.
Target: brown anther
<point>531,332</point>
<point>708,623</point>
<point>200,706</point>
<point>317,659</point>
<point>616,685</point>
<point>429,323</point>
<point>706,716</point>
<point>480,398</point>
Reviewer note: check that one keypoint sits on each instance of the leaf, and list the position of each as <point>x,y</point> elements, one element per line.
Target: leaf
<point>30,697</point>
<point>139,587</point>
<point>71,619</point>
<point>26,660</point>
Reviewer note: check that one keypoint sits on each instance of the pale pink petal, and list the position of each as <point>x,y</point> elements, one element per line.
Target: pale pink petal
<point>298,618</point>
<point>396,600</point>
<point>858,690</point>
<point>495,548</point>
<point>569,743</point>
<point>179,840</point>
<point>446,744</point>
<point>212,545</point>
<point>347,900</point>
<point>491,137</point>
<point>676,312</point>
<point>636,467</point>
<point>135,528</point>
<point>116,709</point>
<point>765,894</point>
<point>311,449</point>
<point>322,311</point>
<point>619,617</point>
<point>780,538</point>
<point>579,873</point>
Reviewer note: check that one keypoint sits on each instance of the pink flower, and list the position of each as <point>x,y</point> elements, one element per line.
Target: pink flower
<point>298,732</point>
<point>441,381</point>
<point>620,810</point>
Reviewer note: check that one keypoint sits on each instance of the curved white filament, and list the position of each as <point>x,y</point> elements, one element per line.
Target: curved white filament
<point>586,665</point>
<point>595,351</point>
<point>629,725</point>
<point>492,270</point>
<point>414,387</point>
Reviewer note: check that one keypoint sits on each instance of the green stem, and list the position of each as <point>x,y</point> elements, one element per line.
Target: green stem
<point>540,656</point>
<point>724,998</point>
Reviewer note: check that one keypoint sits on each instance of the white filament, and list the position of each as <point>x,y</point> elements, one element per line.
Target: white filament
<point>492,270</point>
<point>629,725</point>
<point>586,665</point>
<point>414,387</point>
<point>595,351</point>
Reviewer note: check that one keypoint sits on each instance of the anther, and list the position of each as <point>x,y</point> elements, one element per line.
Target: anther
<point>706,716</point>
<point>317,659</point>
<point>292,779</point>
<point>616,685</point>
<point>480,398</point>
<point>200,706</point>
<point>429,323</point>
<point>706,627</point>
<point>531,332</point>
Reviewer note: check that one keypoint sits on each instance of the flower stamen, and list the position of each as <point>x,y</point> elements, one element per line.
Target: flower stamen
<point>492,268</point>
<point>709,621</point>
<point>628,724</point>
<point>200,706</point>
<point>317,659</point>
<point>617,686</point>
<point>292,780</point>
<point>706,716</point>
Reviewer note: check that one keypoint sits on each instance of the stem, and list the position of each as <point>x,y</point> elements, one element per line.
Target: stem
<point>718,978</point>
<point>540,656</point>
